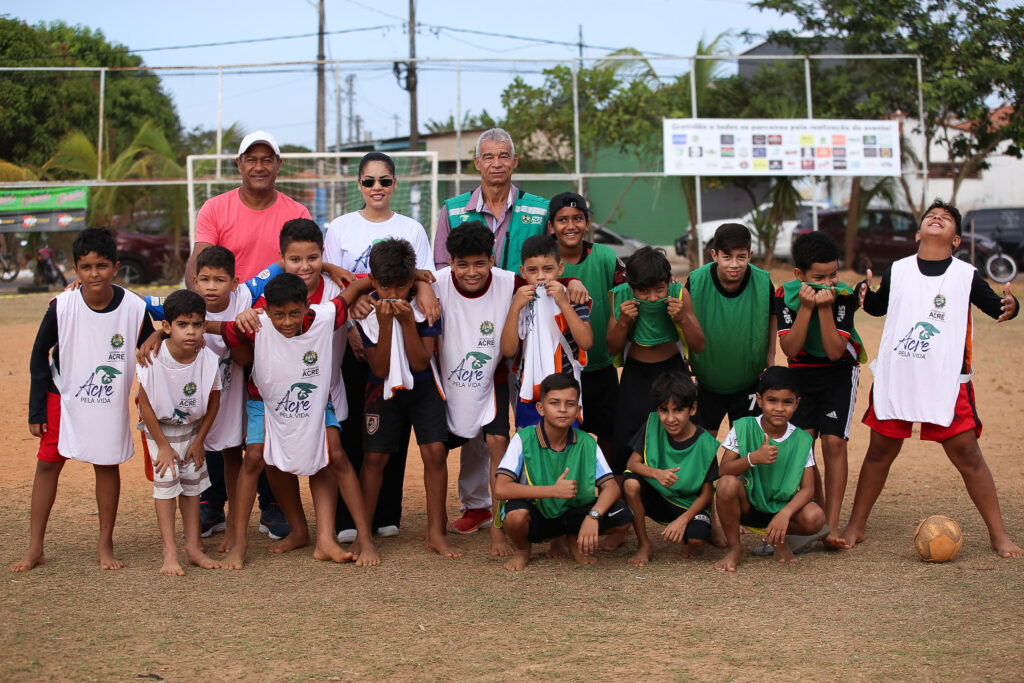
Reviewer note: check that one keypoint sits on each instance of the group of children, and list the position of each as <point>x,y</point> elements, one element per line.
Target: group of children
<point>593,451</point>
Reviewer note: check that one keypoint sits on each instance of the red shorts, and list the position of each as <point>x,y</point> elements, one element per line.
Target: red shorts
<point>48,441</point>
<point>965,418</point>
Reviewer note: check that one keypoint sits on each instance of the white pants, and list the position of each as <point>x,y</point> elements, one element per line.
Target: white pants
<point>182,479</point>
<point>475,474</point>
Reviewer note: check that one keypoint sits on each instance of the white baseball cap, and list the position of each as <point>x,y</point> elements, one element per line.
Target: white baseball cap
<point>259,136</point>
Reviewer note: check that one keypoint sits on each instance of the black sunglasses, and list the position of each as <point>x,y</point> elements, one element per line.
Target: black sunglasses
<point>368,181</point>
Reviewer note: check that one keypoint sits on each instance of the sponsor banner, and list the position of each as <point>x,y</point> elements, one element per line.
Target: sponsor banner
<point>50,209</point>
<point>773,147</point>
<point>43,221</point>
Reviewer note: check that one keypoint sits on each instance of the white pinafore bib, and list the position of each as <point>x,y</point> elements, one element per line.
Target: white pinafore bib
<point>471,349</point>
<point>228,428</point>
<point>179,394</point>
<point>293,375</point>
<point>917,372</point>
<point>97,367</point>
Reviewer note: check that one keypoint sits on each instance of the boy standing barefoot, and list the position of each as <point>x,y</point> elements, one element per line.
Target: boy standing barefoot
<point>179,396</point>
<point>767,473</point>
<point>548,477</point>
<point>923,371</point>
<point>82,373</point>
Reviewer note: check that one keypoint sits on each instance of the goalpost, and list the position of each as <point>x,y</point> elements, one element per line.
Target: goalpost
<point>325,182</point>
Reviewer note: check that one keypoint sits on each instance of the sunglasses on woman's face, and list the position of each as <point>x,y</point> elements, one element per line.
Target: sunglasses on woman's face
<point>369,181</point>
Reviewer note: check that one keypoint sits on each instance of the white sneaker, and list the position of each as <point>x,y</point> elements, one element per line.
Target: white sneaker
<point>387,531</point>
<point>346,536</point>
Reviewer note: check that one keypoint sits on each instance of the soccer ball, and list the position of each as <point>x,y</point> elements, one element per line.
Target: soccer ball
<point>938,539</point>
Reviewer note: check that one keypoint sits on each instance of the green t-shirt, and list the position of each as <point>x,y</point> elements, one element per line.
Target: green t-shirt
<point>543,466</point>
<point>813,345</point>
<point>597,273</point>
<point>653,324</point>
<point>693,462</point>
<point>771,487</point>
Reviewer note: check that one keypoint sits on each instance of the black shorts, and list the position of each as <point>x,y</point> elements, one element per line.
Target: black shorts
<point>712,407</point>
<point>384,422</point>
<point>827,396</point>
<point>543,529</point>
<point>756,519</point>
<point>600,395</point>
<point>499,426</point>
<point>664,511</point>
<point>634,404</point>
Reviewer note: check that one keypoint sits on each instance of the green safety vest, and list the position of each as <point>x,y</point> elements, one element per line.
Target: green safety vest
<point>735,330</point>
<point>771,487</point>
<point>693,462</point>
<point>812,342</point>
<point>544,466</point>
<point>597,273</point>
<point>529,218</point>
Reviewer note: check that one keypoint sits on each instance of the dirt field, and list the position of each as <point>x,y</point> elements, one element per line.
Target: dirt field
<point>876,612</point>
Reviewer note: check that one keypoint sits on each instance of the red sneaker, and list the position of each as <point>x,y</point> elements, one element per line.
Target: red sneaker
<point>471,520</point>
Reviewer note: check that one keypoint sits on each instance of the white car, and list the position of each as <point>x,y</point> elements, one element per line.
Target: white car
<point>706,230</point>
<point>622,245</point>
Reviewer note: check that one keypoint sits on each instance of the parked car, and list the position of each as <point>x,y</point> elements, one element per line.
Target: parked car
<point>706,231</point>
<point>622,245</point>
<point>143,246</point>
<point>1005,226</point>
<point>887,235</point>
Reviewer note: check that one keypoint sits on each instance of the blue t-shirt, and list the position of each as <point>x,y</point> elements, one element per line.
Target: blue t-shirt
<point>155,304</point>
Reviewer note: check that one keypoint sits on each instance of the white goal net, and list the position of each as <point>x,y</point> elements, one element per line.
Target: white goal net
<point>324,182</point>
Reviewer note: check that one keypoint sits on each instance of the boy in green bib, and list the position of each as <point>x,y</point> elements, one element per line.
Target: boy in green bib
<point>670,473</point>
<point>816,332</point>
<point>767,475</point>
<point>548,478</point>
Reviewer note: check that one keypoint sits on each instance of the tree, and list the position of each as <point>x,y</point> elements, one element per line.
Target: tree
<point>469,122</point>
<point>38,108</point>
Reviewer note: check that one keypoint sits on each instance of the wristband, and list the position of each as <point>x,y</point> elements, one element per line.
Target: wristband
<point>749,461</point>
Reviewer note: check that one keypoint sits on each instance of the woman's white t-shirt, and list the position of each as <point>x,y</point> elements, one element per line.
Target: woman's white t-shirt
<point>350,237</point>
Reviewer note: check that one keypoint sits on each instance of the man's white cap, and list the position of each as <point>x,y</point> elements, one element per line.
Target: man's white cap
<point>258,136</point>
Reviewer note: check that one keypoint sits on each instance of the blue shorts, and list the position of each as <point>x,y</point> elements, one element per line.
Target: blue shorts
<point>255,430</point>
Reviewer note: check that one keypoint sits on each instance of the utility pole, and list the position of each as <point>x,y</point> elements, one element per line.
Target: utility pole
<point>359,120</point>
<point>351,79</point>
<point>321,85</point>
<point>410,81</point>
<point>396,124</point>
<point>581,40</point>
<point>337,108</point>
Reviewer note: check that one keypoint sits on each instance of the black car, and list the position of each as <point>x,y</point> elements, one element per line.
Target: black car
<point>1005,226</point>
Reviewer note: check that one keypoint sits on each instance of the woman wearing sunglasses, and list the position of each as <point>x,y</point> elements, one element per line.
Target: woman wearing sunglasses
<point>347,244</point>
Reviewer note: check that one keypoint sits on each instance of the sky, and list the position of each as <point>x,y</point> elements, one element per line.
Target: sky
<point>282,99</point>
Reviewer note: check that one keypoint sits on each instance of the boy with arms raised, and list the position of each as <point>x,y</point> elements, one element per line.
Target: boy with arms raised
<point>548,476</point>
<point>924,369</point>
<point>82,374</point>
<point>179,395</point>
<point>816,332</point>
<point>403,387</point>
<point>670,473</point>
<point>292,364</point>
<point>767,475</point>
<point>544,331</point>
<point>599,269</point>
<point>475,298</point>
<point>734,302</point>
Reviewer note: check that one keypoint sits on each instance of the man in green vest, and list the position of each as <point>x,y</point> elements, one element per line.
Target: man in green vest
<point>513,216</point>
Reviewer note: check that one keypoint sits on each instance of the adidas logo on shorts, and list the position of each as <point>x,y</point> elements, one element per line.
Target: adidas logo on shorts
<point>832,414</point>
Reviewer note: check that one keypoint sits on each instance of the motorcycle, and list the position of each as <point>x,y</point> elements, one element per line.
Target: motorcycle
<point>46,270</point>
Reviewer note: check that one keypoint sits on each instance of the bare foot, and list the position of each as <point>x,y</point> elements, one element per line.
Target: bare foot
<point>365,556</point>
<point>690,551</point>
<point>852,536</point>
<point>296,539</point>
<point>234,560</point>
<point>30,561</point>
<point>201,559</point>
<point>558,550</point>
<point>833,542</point>
<point>330,551</point>
<point>731,560</point>
<point>1007,548</point>
<point>500,547</point>
<point>611,541</point>
<point>226,542</point>
<point>718,535</point>
<point>172,568</point>
<point>580,558</point>
<point>106,558</point>
<point>442,547</point>
<point>518,561</point>
<point>643,555</point>
<point>783,553</point>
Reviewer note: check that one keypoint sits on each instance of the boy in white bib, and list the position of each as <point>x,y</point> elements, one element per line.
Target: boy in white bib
<point>923,370</point>
<point>179,395</point>
<point>82,374</point>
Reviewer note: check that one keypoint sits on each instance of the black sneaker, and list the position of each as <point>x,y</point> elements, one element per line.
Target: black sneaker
<point>273,523</point>
<point>211,521</point>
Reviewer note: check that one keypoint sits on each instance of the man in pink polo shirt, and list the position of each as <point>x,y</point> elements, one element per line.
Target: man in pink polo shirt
<point>248,219</point>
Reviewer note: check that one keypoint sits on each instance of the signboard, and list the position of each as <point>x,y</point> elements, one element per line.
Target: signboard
<point>773,147</point>
<point>51,209</point>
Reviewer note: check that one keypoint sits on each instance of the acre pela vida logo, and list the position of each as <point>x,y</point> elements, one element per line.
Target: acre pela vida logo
<point>296,401</point>
<point>917,342</point>
<point>310,358</point>
<point>469,372</point>
<point>99,387</point>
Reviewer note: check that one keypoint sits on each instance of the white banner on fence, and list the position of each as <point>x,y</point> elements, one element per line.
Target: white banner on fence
<point>770,147</point>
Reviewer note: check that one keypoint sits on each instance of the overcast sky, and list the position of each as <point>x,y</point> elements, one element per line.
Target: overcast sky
<point>283,99</point>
